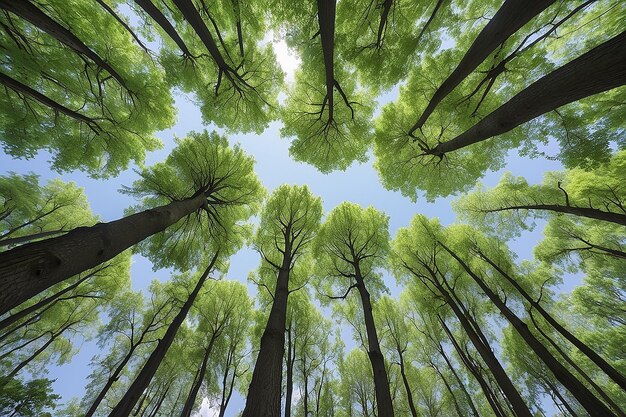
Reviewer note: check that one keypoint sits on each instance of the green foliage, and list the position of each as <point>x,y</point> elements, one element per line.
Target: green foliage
<point>29,209</point>
<point>352,235</point>
<point>201,163</point>
<point>120,116</point>
<point>28,399</point>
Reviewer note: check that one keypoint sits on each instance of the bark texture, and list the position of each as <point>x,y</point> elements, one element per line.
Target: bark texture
<point>29,269</point>
<point>508,19</point>
<point>601,69</point>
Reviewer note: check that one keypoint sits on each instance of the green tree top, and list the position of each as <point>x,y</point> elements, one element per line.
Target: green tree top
<point>201,163</point>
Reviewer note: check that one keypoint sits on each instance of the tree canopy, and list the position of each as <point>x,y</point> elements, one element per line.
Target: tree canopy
<point>287,300</point>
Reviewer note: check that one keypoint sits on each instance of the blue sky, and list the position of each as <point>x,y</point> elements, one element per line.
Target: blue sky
<point>359,184</point>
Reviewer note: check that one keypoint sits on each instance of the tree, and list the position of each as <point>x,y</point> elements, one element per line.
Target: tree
<point>289,221</point>
<point>94,103</point>
<point>236,91</point>
<point>202,175</point>
<point>32,212</point>
<point>351,245</point>
<point>324,110</point>
<point>28,399</point>
<point>594,194</point>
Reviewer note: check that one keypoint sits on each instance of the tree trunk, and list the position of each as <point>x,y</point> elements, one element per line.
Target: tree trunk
<point>600,69</point>
<point>326,20</point>
<point>449,388</point>
<point>289,385</point>
<point>305,395</point>
<point>384,15</point>
<point>159,403</point>
<point>511,16</point>
<point>195,387</point>
<point>264,394</point>
<point>484,386</point>
<point>381,380</point>
<point>27,270</point>
<point>165,24</point>
<point>590,402</point>
<point>405,381</point>
<point>127,403</point>
<point>502,379</point>
<point>468,397</point>
<point>609,370</point>
<point>192,16</point>
<point>590,213</point>
<point>28,11</point>
<point>114,377</point>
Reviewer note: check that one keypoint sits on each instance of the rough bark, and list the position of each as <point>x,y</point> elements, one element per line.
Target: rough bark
<point>264,394</point>
<point>142,381</point>
<point>511,16</point>
<point>27,270</point>
<point>165,24</point>
<point>609,370</point>
<point>381,380</point>
<point>601,69</point>
<point>28,11</point>
<point>588,400</point>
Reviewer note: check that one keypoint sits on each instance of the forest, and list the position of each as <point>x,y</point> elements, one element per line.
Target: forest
<point>481,272</point>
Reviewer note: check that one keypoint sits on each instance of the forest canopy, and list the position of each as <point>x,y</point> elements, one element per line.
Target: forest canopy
<point>345,311</point>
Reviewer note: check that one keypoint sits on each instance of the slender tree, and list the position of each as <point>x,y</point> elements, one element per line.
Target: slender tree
<point>352,244</point>
<point>289,222</point>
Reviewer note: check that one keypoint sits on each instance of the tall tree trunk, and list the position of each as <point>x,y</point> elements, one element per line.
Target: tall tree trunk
<point>405,381</point>
<point>590,213</point>
<point>29,269</point>
<point>600,69</point>
<point>192,16</point>
<point>609,370</point>
<point>468,397</point>
<point>28,11</point>
<point>159,403</point>
<point>111,380</point>
<point>128,402</point>
<point>485,352</point>
<point>165,24</point>
<point>450,391</point>
<point>305,395</point>
<point>195,387</point>
<point>290,361</point>
<point>511,16</point>
<point>264,394</point>
<point>590,402</point>
<point>381,380</point>
<point>490,396</point>
<point>326,18</point>
<point>382,25</point>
